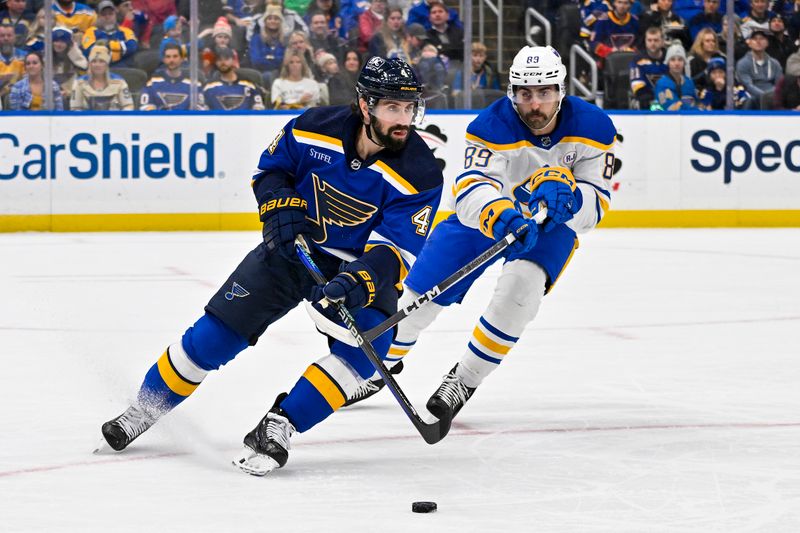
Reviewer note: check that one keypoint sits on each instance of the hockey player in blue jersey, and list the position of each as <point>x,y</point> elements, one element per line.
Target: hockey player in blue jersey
<point>363,187</point>
<point>535,146</point>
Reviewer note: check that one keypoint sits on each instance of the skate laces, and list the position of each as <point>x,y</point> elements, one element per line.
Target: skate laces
<point>364,388</point>
<point>279,429</point>
<point>452,390</point>
<point>134,421</point>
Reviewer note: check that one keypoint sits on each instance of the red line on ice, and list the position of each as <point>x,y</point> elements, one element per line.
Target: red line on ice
<point>455,433</point>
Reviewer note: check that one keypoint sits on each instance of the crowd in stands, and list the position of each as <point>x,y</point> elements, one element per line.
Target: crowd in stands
<point>295,54</point>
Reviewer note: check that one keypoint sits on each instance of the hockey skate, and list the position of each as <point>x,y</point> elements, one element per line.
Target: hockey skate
<point>371,386</point>
<point>267,446</point>
<point>449,398</point>
<point>121,431</point>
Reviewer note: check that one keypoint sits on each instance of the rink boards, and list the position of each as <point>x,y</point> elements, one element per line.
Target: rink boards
<point>139,171</point>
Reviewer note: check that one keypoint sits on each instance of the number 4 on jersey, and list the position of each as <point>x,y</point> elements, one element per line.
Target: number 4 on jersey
<point>422,219</point>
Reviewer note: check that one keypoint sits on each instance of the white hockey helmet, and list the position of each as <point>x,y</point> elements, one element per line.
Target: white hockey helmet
<point>537,65</point>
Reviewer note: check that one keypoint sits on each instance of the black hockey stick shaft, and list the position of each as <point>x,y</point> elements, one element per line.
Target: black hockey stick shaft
<point>431,432</point>
<point>439,288</point>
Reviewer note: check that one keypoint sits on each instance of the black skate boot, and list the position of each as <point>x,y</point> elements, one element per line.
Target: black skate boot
<point>121,431</point>
<point>371,386</point>
<point>267,446</point>
<point>449,398</point>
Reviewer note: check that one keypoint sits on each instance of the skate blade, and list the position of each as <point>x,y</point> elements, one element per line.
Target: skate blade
<point>255,464</point>
<point>103,447</point>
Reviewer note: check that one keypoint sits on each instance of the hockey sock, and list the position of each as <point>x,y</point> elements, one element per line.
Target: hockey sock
<point>322,389</point>
<point>514,304</point>
<point>205,346</point>
<point>326,384</point>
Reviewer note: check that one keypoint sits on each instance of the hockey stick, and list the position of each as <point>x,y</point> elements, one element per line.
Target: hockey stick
<point>330,328</point>
<point>432,432</point>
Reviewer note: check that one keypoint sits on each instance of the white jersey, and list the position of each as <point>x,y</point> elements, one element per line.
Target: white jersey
<point>502,153</point>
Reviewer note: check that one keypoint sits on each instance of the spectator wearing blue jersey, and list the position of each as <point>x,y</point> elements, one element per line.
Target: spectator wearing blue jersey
<point>710,17</point>
<point>267,46</point>
<point>675,90</point>
<point>431,69</point>
<point>420,14</point>
<point>169,88</point>
<point>648,67</point>
<point>713,95</point>
<point>227,92</point>
<point>28,94</point>
<point>616,31</point>
<point>119,40</point>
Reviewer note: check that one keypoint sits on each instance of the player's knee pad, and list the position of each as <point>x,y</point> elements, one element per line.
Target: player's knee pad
<point>517,296</point>
<point>367,318</point>
<point>209,343</point>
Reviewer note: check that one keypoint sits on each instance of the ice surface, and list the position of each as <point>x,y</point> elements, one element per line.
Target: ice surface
<point>656,391</point>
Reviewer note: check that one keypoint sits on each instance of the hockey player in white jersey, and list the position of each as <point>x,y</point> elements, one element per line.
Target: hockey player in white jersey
<point>537,147</point>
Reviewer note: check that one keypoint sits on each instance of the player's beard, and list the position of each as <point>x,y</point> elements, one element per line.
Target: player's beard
<point>385,138</point>
<point>537,120</point>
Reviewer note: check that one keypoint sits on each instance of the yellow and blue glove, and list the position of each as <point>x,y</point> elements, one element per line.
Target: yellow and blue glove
<point>556,187</point>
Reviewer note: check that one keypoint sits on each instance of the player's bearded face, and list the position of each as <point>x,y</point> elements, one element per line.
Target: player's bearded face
<point>391,123</point>
<point>537,105</point>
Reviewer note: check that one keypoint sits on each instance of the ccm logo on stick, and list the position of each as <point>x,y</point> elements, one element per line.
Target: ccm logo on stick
<point>739,155</point>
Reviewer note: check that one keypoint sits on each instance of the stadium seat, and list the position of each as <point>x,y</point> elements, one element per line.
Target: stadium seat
<point>251,75</point>
<point>135,78</point>
<point>616,80</point>
<point>567,30</point>
<point>147,60</point>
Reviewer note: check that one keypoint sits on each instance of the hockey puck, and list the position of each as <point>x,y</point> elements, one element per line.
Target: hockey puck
<point>423,507</point>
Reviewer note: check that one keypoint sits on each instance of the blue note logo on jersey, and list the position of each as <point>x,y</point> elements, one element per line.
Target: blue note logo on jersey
<point>337,208</point>
<point>237,291</point>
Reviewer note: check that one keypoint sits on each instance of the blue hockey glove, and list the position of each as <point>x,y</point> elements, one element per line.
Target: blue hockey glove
<point>526,232</point>
<point>354,287</point>
<point>283,213</point>
<point>556,187</point>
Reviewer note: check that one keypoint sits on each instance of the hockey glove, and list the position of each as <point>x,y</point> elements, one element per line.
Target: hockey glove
<point>526,232</point>
<point>354,287</point>
<point>284,216</point>
<point>555,186</point>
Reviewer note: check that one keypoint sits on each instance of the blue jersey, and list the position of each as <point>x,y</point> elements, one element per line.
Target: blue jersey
<point>645,72</point>
<point>229,96</point>
<point>166,93</point>
<point>672,97</point>
<point>387,200</point>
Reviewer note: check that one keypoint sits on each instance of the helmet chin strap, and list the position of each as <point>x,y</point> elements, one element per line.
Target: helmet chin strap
<point>368,131</point>
<point>548,122</point>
